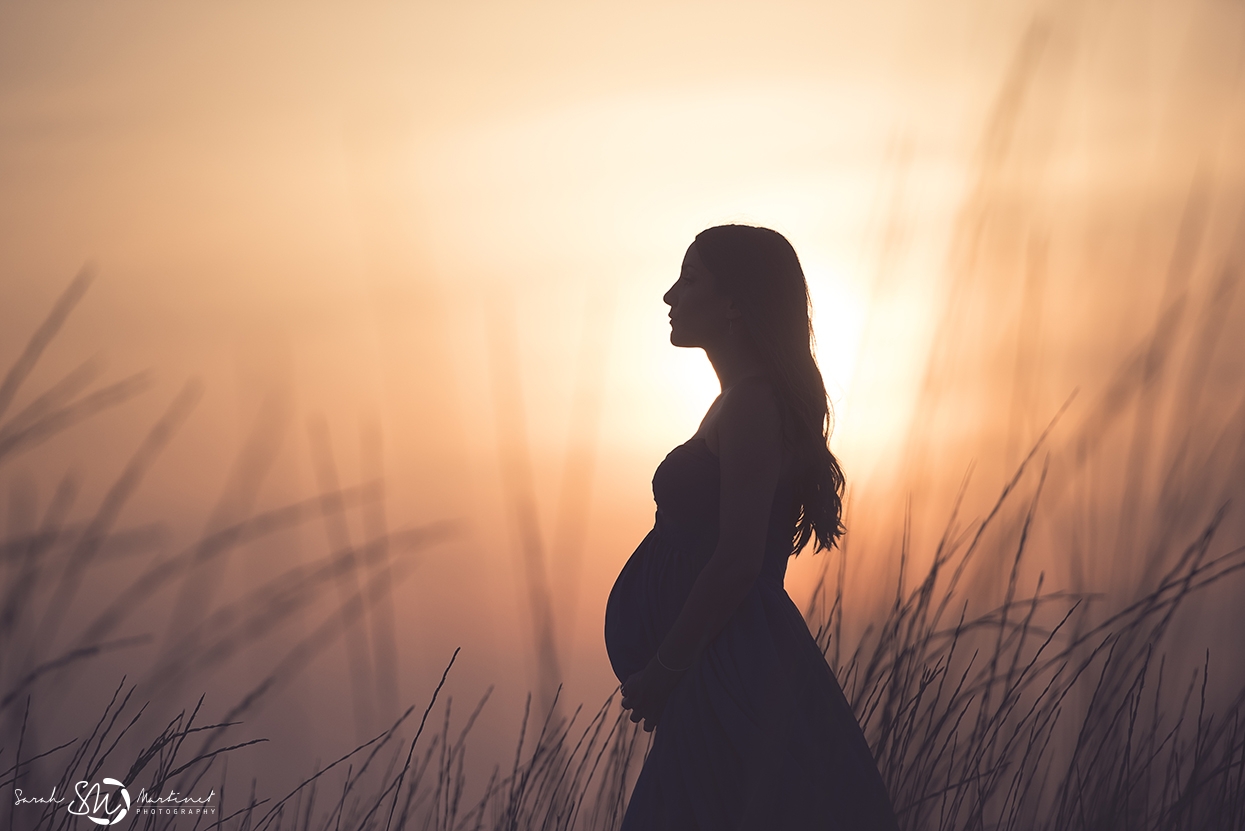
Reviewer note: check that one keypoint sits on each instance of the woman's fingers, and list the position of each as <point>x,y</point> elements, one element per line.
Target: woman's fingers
<point>635,701</point>
<point>635,715</point>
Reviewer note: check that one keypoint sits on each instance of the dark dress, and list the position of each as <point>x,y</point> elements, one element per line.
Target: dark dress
<point>757,734</point>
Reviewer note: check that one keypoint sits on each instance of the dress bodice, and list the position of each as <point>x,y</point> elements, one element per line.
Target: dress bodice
<point>687,488</point>
<point>655,582</point>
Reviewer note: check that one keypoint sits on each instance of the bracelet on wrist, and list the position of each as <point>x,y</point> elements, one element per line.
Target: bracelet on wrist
<point>668,668</point>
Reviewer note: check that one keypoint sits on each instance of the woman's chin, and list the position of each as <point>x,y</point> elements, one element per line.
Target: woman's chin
<point>680,339</point>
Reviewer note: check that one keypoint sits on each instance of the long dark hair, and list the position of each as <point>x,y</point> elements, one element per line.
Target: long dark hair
<point>761,273</point>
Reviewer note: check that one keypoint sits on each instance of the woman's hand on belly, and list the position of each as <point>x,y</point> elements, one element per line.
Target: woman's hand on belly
<point>646,691</point>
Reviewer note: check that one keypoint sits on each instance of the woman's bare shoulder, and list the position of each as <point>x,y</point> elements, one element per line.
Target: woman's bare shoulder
<point>748,410</point>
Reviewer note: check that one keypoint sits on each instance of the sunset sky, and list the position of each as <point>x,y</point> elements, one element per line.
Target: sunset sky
<point>370,213</point>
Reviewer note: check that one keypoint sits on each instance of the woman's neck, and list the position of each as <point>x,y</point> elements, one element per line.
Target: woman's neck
<point>732,365</point>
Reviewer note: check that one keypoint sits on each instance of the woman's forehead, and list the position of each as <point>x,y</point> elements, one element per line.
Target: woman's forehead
<point>692,259</point>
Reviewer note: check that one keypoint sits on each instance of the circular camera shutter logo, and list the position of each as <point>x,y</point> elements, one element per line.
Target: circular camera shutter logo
<point>125,796</point>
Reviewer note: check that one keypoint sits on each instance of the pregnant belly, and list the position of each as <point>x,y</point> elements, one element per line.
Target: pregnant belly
<point>649,594</point>
<point>627,640</point>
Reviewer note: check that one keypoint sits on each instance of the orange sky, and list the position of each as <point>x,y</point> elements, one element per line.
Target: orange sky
<point>340,206</point>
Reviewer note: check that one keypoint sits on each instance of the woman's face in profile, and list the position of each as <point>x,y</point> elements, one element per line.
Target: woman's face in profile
<point>698,313</point>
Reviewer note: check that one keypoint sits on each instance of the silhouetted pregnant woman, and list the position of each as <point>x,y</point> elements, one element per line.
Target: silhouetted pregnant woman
<point>752,729</point>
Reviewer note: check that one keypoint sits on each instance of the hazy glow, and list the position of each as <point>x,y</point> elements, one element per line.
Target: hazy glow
<point>381,214</point>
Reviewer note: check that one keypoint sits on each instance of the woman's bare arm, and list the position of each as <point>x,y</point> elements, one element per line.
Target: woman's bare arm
<point>750,460</point>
